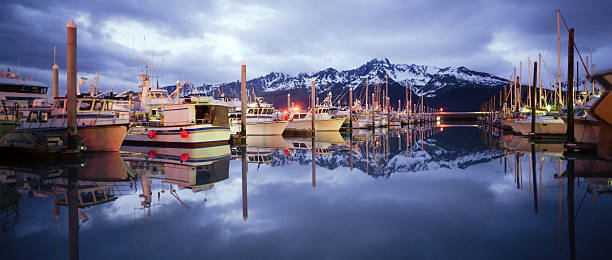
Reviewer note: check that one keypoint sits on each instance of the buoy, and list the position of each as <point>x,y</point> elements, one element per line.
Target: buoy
<point>286,117</point>
<point>151,134</point>
<point>184,157</point>
<point>286,152</point>
<point>184,133</point>
<point>152,154</point>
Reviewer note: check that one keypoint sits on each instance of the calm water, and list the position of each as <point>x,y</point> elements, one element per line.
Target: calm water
<point>433,193</point>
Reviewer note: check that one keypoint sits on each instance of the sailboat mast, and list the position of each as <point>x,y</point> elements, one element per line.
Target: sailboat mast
<point>410,107</point>
<point>520,86</point>
<point>529,83</point>
<point>559,57</point>
<point>540,78</point>
<point>387,91</point>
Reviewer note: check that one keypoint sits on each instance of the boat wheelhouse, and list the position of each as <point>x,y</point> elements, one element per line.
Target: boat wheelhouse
<point>204,122</point>
<point>262,118</point>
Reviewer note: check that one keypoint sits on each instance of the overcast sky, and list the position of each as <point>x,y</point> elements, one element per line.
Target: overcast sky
<point>206,41</point>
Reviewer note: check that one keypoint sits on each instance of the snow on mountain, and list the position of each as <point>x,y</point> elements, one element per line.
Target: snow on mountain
<point>429,78</point>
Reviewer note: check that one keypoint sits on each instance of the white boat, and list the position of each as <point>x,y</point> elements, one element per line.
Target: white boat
<point>15,89</point>
<point>16,93</point>
<point>544,125</point>
<point>586,127</point>
<point>45,127</point>
<point>262,119</point>
<point>326,118</point>
<point>302,121</point>
<point>204,122</point>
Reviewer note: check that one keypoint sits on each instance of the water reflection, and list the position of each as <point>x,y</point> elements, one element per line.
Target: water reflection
<point>447,191</point>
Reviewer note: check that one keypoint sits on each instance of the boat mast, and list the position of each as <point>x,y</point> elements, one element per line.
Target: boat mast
<point>559,58</point>
<point>529,97</point>
<point>540,78</point>
<point>520,86</point>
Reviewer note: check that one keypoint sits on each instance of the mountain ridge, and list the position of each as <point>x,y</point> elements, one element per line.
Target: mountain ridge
<point>432,81</point>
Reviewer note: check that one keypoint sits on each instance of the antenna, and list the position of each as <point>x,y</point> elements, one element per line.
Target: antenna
<point>53,54</point>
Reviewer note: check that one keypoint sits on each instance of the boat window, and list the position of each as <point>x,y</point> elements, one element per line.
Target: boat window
<point>215,115</point>
<point>44,116</point>
<point>59,104</point>
<point>250,111</point>
<point>220,116</point>
<point>33,116</point>
<point>108,105</point>
<point>85,105</point>
<point>98,105</point>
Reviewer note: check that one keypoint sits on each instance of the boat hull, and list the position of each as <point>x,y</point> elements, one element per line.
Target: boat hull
<point>105,138</point>
<point>267,128</point>
<point>320,124</point>
<point>197,136</point>
<point>542,127</point>
<point>6,126</point>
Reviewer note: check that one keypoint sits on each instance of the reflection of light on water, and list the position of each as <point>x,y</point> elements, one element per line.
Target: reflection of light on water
<point>441,129</point>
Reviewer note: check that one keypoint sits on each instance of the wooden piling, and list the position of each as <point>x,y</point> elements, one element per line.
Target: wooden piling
<point>533,98</point>
<point>55,78</point>
<point>570,87</point>
<point>71,75</point>
<point>243,99</point>
<point>312,110</point>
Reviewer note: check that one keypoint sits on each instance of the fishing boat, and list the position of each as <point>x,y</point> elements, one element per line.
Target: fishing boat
<point>586,126</point>
<point>262,118</point>
<point>325,118</point>
<point>544,125</point>
<point>201,121</point>
<point>16,92</point>
<point>45,127</point>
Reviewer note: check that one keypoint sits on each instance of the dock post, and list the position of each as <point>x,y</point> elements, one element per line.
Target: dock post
<point>243,101</point>
<point>71,75</point>
<point>312,109</point>
<point>533,103</point>
<point>55,78</point>
<point>570,87</point>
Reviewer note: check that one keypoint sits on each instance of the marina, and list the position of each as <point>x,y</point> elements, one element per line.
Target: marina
<point>129,155</point>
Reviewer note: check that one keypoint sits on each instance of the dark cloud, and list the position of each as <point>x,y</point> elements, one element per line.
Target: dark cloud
<point>205,41</point>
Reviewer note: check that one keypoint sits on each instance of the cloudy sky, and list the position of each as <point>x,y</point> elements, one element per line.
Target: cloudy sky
<point>206,41</point>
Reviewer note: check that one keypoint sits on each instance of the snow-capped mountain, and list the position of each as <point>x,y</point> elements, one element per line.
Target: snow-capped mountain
<point>434,82</point>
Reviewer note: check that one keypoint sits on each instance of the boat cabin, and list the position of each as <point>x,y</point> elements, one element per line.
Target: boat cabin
<point>199,114</point>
